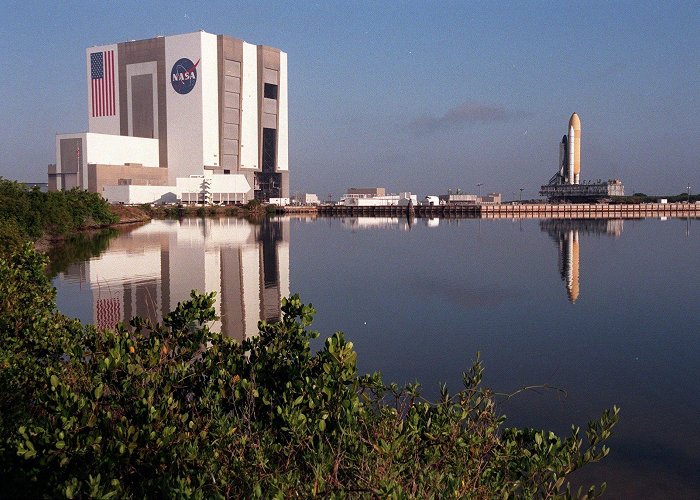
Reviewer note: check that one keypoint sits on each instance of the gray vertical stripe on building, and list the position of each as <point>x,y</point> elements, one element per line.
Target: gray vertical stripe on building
<point>141,51</point>
<point>142,106</point>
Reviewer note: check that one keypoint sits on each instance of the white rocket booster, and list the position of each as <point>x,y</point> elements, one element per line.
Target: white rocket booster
<point>571,145</point>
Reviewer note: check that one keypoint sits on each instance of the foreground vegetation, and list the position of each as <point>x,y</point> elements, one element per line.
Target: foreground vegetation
<point>174,410</point>
<point>29,214</point>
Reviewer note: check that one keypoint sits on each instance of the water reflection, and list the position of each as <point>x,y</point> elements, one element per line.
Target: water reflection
<point>566,233</point>
<point>400,223</point>
<point>77,248</point>
<point>149,270</point>
<point>360,223</point>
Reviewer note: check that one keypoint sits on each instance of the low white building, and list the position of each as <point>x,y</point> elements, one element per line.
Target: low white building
<point>280,202</point>
<point>401,199</point>
<point>91,161</point>
<point>219,189</point>
<point>306,199</point>
<point>196,189</point>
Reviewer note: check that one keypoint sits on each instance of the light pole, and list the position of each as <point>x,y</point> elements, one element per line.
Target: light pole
<point>689,193</point>
<point>479,184</point>
<point>521,195</point>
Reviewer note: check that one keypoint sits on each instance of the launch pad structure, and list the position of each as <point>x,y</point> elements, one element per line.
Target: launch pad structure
<point>565,185</point>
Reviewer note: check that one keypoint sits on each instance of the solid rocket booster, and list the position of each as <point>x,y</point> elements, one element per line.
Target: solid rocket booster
<point>572,156</point>
<point>574,149</point>
<point>563,160</point>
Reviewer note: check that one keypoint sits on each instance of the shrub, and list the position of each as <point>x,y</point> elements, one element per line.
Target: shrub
<point>253,204</point>
<point>30,214</point>
<point>174,409</point>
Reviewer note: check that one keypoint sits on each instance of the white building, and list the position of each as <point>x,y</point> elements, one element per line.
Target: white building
<point>306,199</point>
<point>376,197</point>
<point>175,106</point>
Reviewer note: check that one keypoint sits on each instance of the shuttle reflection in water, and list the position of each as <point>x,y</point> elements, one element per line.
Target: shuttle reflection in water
<point>566,233</point>
<point>147,271</point>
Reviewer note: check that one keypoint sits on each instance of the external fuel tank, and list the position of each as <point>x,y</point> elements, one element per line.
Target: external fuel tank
<point>574,149</point>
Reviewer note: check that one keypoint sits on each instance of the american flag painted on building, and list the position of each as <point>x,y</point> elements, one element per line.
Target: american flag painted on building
<point>108,312</point>
<point>102,81</point>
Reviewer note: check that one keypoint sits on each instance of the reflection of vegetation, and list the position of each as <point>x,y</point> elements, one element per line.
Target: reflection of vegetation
<point>28,214</point>
<point>175,410</point>
<point>78,248</point>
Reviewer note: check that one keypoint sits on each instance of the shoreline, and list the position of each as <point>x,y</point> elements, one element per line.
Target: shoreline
<point>507,211</point>
<point>129,215</point>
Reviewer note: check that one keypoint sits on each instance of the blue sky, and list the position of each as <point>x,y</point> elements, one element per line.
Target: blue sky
<point>412,96</point>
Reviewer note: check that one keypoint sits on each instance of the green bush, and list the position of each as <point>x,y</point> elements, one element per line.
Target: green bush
<point>253,204</point>
<point>171,212</point>
<point>29,214</point>
<point>176,410</point>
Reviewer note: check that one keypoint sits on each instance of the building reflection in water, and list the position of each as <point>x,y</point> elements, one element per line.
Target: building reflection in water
<point>147,271</point>
<point>566,233</point>
<point>359,223</point>
<point>400,223</point>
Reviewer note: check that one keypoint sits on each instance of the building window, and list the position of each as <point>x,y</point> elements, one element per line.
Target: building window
<point>269,150</point>
<point>270,91</point>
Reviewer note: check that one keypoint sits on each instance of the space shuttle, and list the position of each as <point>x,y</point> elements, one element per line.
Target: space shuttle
<point>570,152</point>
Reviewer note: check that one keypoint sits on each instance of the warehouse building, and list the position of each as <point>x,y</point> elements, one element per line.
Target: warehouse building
<point>178,106</point>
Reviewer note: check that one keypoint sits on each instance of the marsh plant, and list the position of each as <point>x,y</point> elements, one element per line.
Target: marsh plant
<point>174,409</point>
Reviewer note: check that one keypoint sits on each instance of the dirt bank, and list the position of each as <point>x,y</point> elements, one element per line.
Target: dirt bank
<point>129,214</point>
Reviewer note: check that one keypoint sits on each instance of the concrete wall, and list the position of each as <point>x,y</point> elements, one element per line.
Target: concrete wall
<point>138,58</point>
<point>249,109</point>
<point>120,150</point>
<point>185,127</point>
<point>376,191</point>
<point>75,152</point>
<point>230,70</point>
<point>100,176</point>
<point>282,117</point>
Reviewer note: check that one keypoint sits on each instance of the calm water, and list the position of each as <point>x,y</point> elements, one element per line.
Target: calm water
<point>607,310</point>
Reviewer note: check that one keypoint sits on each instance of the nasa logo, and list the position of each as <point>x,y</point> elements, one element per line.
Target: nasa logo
<point>183,76</point>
